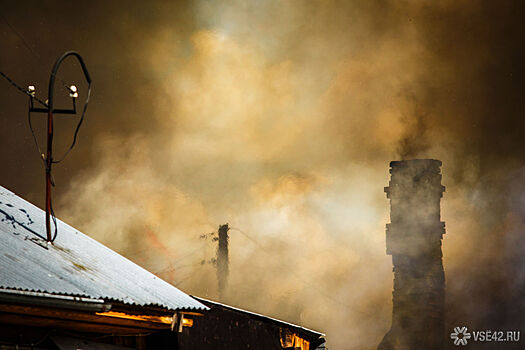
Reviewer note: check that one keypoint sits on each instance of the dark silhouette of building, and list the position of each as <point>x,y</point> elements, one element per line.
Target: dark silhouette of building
<point>228,327</point>
<point>413,239</point>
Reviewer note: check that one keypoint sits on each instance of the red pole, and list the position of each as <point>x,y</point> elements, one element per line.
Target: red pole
<point>49,162</point>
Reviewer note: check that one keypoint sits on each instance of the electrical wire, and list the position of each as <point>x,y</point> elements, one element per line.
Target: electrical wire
<point>22,90</point>
<point>172,266</point>
<point>20,37</point>
<point>54,218</point>
<point>34,136</point>
<point>191,274</point>
<point>35,54</point>
<point>198,249</point>
<point>79,124</point>
<point>39,150</point>
<point>49,160</point>
<point>84,109</point>
<point>175,268</point>
<point>310,285</point>
<point>77,128</point>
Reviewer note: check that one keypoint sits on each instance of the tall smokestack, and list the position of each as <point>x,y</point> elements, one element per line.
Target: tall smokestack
<point>222,259</point>
<point>413,238</point>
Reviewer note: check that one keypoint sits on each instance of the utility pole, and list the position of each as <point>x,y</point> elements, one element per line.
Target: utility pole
<point>222,259</point>
<point>49,110</point>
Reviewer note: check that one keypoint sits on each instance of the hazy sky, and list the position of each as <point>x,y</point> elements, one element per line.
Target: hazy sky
<point>280,118</point>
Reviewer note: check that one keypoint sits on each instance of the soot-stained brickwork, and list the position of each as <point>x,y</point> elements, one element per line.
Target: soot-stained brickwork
<point>413,239</point>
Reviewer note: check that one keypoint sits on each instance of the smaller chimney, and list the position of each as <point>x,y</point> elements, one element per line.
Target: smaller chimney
<point>223,259</point>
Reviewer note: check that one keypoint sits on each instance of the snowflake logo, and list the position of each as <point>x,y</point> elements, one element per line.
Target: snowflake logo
<point>460,336</point>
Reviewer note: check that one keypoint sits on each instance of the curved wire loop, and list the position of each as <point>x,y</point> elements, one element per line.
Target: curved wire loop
<point>51,93</point>
<point>49,162</point>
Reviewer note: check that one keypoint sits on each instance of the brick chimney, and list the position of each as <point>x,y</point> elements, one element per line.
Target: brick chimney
<point>413,239</point>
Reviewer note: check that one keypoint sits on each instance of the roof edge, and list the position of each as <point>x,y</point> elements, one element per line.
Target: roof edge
<point>304,329</point>
<point>53,300</point>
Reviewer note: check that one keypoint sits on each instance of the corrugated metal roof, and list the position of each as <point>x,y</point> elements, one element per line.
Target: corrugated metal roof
<point>261,317</point>
<point>74,264</point>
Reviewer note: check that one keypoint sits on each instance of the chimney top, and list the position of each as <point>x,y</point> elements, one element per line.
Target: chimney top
<point>415,162</point>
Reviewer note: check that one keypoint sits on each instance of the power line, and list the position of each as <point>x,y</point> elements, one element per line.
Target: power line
<point>175,268</point>
<point>77,129</point>
<point>309,284</point>
<point>288,268</point>
<point>22,90</point>
<point>172,266</point>
<point>20,37</point>
<point>179,282</point>
<point>40,153</point>
<point>193,252</point>
<point>35,54</point>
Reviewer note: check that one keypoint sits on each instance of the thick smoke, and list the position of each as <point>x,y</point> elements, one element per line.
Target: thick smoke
<point>280,118</point>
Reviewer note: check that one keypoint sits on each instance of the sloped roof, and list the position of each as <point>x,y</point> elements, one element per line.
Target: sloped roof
<point>75,264</point>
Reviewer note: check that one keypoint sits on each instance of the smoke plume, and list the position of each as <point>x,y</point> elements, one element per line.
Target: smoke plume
<point>281,118</point>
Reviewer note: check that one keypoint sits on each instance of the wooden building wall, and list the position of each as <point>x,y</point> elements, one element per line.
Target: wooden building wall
<point>226,329</point>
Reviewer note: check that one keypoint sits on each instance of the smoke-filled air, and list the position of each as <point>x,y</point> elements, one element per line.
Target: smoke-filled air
<point>280,118</point>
